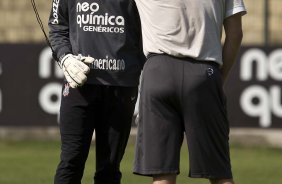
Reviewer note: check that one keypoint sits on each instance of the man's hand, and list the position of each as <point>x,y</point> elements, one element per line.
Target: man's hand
<point>136,113</point>
<point>75,69</point>
<point>136,110</point>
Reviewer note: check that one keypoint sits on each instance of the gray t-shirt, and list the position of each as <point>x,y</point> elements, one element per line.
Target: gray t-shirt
<point>183,28</point>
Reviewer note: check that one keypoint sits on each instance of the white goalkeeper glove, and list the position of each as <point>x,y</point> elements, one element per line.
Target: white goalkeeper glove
<point>75,69</point>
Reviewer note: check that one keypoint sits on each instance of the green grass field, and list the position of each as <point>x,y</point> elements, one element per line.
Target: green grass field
<point>34,162</point>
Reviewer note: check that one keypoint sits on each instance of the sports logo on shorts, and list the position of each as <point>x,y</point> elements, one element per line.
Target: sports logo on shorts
<point>210,71</point>
<point>66,90</point>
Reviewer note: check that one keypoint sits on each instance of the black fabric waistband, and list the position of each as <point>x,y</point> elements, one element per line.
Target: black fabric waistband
<point>213,63</point>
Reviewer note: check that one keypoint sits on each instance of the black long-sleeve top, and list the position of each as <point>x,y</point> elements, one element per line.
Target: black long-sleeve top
<point>107,30</point>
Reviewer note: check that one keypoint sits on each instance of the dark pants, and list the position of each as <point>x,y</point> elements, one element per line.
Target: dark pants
<point>107,110</point>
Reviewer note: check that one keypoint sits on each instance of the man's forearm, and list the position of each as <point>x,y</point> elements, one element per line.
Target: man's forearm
<point>232,43</point>
<point>230,50</point>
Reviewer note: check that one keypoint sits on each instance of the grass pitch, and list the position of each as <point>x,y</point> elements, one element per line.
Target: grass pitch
<point>34,162</point>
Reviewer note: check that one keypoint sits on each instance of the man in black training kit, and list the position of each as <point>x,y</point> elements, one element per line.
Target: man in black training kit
<point>98,44</point>
<point>181,88</point>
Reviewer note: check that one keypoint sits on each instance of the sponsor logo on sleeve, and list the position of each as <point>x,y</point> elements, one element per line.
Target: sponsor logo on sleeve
<point>55,7</point>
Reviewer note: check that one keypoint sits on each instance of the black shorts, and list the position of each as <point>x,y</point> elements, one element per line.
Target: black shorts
<point>181,95</point>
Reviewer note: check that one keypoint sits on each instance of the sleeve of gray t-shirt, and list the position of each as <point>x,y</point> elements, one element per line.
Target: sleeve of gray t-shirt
<point>233,7</point>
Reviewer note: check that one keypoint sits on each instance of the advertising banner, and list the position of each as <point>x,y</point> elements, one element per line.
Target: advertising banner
<point>31,84</point>
<point>254,88</point>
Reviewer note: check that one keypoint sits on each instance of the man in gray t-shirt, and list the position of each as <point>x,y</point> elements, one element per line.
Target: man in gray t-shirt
<point>181,89</point>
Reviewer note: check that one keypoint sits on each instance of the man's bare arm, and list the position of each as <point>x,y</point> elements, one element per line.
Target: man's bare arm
<point>232,43</point>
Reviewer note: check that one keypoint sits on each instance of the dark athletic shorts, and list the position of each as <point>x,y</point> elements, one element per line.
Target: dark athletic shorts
<point>182,95</point>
